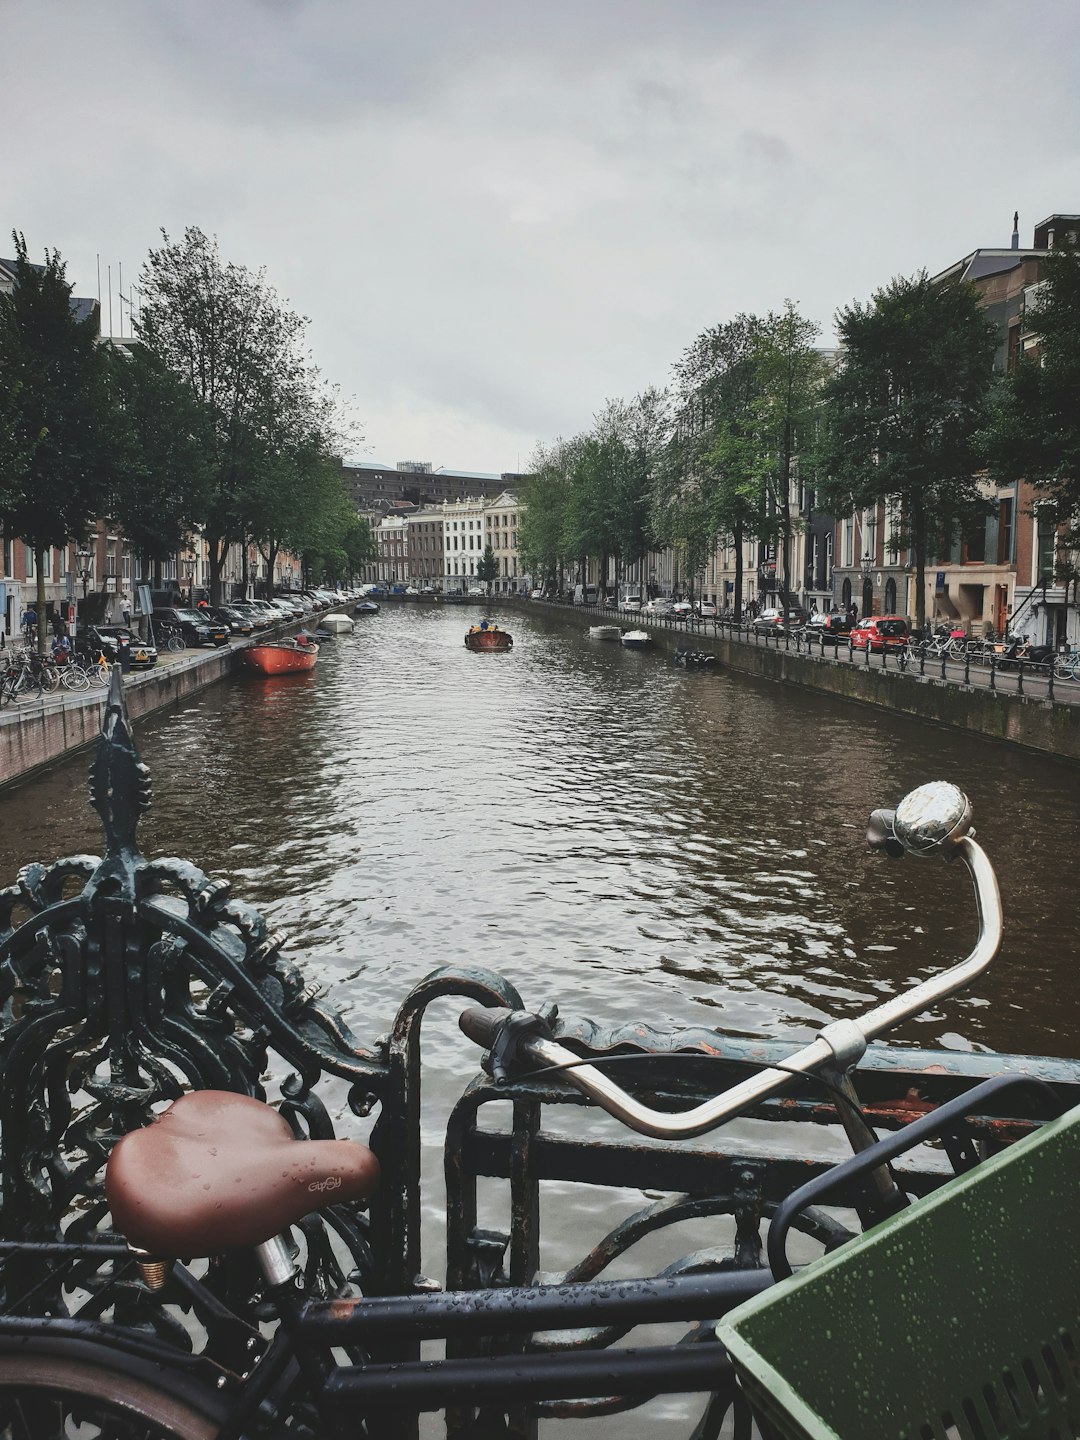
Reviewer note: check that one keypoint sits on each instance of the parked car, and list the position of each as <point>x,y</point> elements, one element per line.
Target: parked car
<point>880,632</point>
<point>682,607</point>
<point>659,606</point>
<point>829,627</point>
<point>247,610</point>
<point>771,621</point>
<point>110,639</point>
<point>707,610</point>
<point>228,615</point>
<point>196,628</point>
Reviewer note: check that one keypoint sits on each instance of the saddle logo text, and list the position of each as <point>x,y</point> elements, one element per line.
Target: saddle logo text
<point>332,1182</point>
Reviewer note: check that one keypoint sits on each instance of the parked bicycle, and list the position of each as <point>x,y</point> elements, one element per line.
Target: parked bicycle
<point>223,1172</point>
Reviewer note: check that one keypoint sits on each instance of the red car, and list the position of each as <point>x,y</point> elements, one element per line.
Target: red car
<point>880,632</point>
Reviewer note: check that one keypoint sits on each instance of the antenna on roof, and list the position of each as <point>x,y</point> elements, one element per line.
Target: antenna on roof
<point>1016,230</point>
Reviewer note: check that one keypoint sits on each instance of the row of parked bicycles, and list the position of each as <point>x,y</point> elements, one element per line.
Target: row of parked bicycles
<point>24,672</point>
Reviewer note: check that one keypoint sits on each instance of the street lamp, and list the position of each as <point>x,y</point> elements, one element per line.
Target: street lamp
<point>189,575</point>
<point>86,567</point>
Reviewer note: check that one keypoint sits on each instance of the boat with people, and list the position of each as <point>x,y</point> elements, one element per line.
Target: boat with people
<point>488,636</point>
<point>282,657</point>
<point>636,639</point>
<point>604,632</point>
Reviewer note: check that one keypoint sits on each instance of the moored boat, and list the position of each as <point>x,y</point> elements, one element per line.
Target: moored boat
<point>636,639</point>
<point>285,657</point>
<point>604,632</point>
<point>488,637</point>
<point>366,607</point>
<point>337,623</point>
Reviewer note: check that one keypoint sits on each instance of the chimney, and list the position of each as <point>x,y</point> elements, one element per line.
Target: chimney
<point>1016,230</point>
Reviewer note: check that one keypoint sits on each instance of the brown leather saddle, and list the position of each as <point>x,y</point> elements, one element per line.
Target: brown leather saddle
<point>218,1171</point>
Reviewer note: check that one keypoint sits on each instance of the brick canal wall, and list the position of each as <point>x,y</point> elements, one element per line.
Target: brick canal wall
<point>1025,720</point>
<point>34,735</point>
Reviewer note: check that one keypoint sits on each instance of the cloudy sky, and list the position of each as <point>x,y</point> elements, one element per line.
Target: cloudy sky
<point>499,214</point>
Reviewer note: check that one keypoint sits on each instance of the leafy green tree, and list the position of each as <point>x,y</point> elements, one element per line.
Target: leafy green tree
<point>487,569</point>
<point>1035,428</point>
<point>160,484</point>
<point>227,334</point>
<point>546,496</point>
<point>905,409</point>
<point>57,421</point>
<point>790,374</point>
<point>718,396</point>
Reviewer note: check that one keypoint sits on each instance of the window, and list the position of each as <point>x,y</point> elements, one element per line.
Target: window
<point>1046,546</point>
<point>849,543</point>
<point>1005,531</point>
<point>29,559</point>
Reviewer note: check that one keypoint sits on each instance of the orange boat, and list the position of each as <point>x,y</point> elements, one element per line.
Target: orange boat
<point>488,637</point>
<point>283,658</point>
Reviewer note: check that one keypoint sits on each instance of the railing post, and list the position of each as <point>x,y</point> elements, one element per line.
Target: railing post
<point>1020,678</point>
<point>993,672</point>
<point>867,654</point>
<point>967,667</point>
<point>1050,682</point>
<point>922,659</point>
<point>943,664</point>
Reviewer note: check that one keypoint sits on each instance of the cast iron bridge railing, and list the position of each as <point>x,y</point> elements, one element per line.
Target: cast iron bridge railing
<point>125,981</point>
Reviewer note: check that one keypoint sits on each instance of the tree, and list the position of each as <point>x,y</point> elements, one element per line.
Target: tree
<point>55,426</point>
<point>905,409</point>
<point>487,570</point>
<point>1035,427</point>
<point>227,334</point>
<point>160,485</point>
<point>717,417</point>
<point>546,495</point>
<point>789,375</point>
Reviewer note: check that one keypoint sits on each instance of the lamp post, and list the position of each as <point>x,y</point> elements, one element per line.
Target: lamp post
<point>867,567</point>
<point>189,575</point>
<point>85,560</point>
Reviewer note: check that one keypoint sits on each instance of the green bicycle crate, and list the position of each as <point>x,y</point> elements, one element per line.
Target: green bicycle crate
<point>958,1319</point>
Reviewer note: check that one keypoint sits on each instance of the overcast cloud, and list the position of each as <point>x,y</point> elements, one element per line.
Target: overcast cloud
<point>498,214</point>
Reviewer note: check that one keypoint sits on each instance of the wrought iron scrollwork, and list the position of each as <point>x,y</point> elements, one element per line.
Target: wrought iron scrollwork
<point>124,982</point>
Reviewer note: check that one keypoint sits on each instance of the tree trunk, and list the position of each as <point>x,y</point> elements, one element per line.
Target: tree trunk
<point>738,570</point>
<point>920,566</point>
<point>39,562</point>
<point>270,556</point>
<point>244,578</point>
<point>217,549</point>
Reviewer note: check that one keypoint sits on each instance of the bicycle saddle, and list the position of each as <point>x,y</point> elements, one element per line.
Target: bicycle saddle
<point>218,1171</point>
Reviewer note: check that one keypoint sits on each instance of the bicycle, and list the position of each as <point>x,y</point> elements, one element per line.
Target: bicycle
<point>224,1172</point>
<point>171,636</point>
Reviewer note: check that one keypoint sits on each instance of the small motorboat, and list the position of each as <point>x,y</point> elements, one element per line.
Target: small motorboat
<point>636,639</point>
<point>283,657</point>
<point>366,607</point>
<point>604,632</point>
<point>337,623</point>
<point>487,637</point>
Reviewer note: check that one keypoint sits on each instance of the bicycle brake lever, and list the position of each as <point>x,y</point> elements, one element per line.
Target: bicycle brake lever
<point>501,1032</point>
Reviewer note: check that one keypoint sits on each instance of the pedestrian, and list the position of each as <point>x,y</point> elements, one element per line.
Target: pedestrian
<point>29,623</point>
<point>125,610</point>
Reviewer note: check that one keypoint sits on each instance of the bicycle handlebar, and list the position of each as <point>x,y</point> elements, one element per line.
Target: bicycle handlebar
<point>936,818</point>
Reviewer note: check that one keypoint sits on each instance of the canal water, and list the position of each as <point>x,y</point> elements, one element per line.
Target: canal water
<point>627,838</point>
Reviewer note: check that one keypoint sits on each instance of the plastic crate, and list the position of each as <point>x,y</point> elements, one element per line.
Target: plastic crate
<point>958,1319</point>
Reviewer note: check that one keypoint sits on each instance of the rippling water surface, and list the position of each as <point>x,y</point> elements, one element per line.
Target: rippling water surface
<point>630,838</point>
<point>633,840</point>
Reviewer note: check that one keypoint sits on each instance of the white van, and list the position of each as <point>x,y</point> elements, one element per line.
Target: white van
<point>586,594</point>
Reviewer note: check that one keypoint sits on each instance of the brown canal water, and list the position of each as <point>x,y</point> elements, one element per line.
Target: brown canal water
<point>627,838</point>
